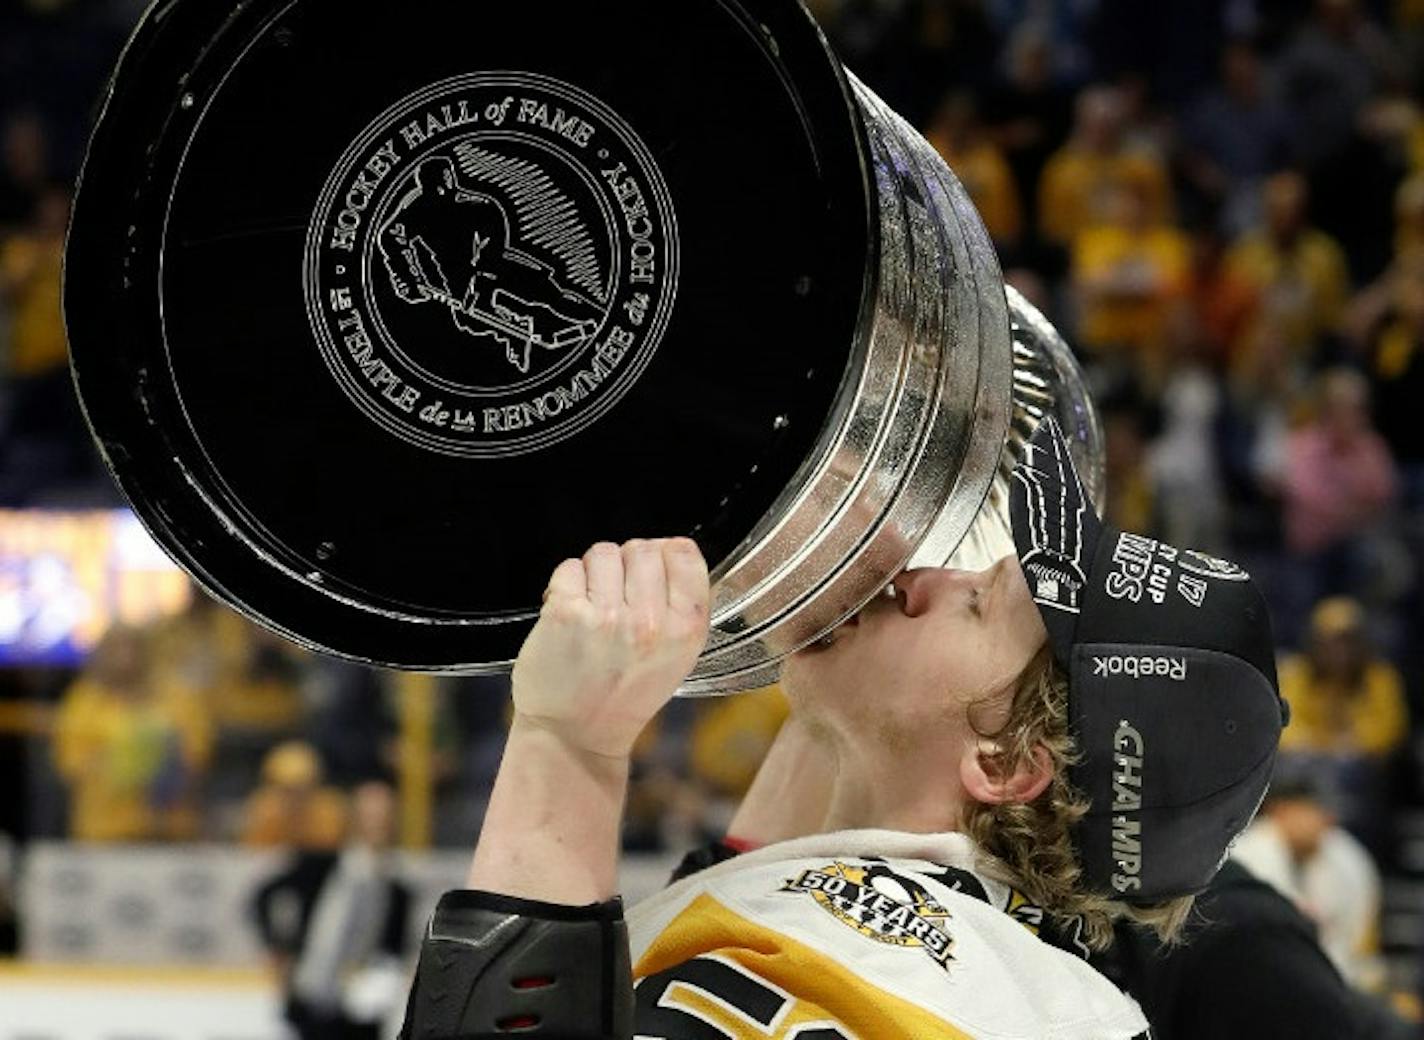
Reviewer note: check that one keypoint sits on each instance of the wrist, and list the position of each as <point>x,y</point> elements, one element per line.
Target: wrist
<point>544,736</point>
<point>556,744</point>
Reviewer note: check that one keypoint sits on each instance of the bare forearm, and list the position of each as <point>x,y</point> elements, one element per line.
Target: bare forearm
<point>540,942</point>
<point>552,828</point>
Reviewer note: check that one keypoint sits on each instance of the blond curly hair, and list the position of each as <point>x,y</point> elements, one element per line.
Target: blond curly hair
<point>1032,842</point>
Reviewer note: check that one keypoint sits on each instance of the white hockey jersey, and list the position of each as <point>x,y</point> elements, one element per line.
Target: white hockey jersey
<point>861,935</point>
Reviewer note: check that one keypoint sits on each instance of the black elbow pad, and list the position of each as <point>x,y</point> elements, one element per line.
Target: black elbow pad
<point>493,965</point>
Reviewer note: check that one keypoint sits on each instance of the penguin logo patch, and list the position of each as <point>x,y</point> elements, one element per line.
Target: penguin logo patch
<point>880,904</point>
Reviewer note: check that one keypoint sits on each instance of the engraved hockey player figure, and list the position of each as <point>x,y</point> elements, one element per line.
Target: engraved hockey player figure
<point>446,244</point>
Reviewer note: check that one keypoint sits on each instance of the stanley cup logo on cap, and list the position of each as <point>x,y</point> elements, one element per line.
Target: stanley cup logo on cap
<point>1056,504</point>
<point>1172,698</point>
<point>492,264</point>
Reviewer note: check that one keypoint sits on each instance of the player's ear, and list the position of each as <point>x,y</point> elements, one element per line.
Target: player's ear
<point>990,777</point>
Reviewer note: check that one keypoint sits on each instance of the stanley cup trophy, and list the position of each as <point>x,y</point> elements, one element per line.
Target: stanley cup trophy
<point>378,311</point>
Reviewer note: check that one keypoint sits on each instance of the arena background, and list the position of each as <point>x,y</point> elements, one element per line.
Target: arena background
<point>1221,202</point>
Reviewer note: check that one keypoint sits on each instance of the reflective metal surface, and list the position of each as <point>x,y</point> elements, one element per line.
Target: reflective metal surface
<point>838,393</point>
<point>922,421</point>
<point>971,532</point>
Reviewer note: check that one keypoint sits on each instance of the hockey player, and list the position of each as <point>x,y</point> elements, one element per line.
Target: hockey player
<point>1007,760</point>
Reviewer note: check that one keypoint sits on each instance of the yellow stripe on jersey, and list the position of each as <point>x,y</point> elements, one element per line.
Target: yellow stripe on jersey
<point>822,991</point>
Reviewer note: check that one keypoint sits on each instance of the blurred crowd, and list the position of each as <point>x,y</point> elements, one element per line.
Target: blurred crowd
<point>201,726</point>
<point>1219,202</point>
<point>1221,205</point>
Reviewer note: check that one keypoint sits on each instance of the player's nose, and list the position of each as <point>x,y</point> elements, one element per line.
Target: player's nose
<point>917,589</point>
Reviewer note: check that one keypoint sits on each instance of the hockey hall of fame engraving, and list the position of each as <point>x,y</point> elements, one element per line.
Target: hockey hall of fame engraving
<point>492,264</point>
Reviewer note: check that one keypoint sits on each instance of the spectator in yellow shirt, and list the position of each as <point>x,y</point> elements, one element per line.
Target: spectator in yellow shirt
<point>248,677</point>
<point>1129,273</point>
<point>132,750</point>
<point>1345,701</point>
<point>30,276</point>
<point>1297,271</point>
<point>1394,344</point>
<point>293,807</point>
<point>1348,716</point>
<point>1083,180</point>
<point>45,443</point>
<point>960,138</point>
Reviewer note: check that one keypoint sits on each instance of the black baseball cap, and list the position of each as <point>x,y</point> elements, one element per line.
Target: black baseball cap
<point>1173,699</point>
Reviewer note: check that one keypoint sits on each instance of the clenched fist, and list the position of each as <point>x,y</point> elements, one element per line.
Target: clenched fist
<point>619,631</point>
